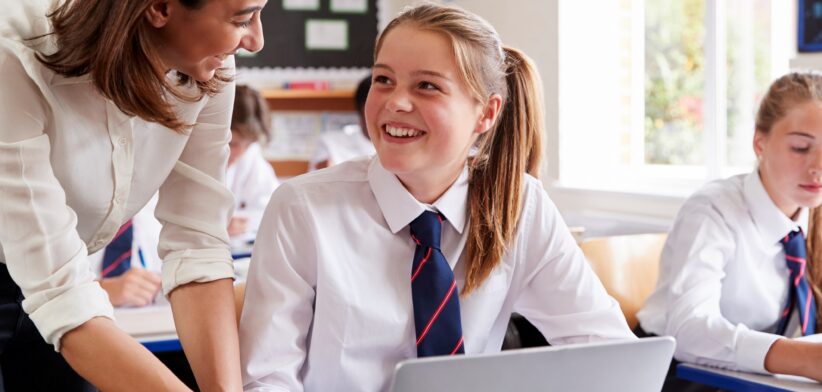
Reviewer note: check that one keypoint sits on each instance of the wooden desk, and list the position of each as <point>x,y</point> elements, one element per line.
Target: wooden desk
<point>310,100</point>
<point>741,381</point>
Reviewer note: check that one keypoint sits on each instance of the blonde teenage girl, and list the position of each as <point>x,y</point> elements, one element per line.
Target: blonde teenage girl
<point>421,250</point>
<point>738,278</point>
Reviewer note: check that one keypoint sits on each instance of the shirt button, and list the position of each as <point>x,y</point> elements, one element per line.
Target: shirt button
<point>122,141</point>
<point>99,242</point>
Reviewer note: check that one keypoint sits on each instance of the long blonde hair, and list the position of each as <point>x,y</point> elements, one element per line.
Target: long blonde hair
<point>785,93</point>
<point>505,153</point>
<point>109,40</point>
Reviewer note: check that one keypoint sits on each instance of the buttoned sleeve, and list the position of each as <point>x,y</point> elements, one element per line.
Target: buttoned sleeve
<point>560,294</point>
<point>41,247</point>
<point>278,308</point>
<point>699,247</point>
<point>194,204</point>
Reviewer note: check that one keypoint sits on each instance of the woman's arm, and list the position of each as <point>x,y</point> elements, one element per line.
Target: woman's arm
<point>111,360</point>
<point>204,315</point>
<point>194,206</point>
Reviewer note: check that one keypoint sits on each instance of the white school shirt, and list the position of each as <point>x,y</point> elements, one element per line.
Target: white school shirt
<point>723,279</point>
<point>74,168</point>
<point>341,146</point>
<point>252,180</point>
<point>328,303</point>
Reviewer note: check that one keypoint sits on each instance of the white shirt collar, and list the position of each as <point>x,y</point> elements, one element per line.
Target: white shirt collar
<point>771,223</point>
<point>399,207</point>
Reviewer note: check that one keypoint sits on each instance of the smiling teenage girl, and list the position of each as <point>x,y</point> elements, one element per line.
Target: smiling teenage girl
<point>421,250</point>
<point>734,273</point>
<point>102,103</point>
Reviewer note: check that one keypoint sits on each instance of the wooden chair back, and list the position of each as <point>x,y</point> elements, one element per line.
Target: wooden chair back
<point>628,266</point>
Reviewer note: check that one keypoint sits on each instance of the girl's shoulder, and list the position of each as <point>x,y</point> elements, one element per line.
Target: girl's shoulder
<point>328,183</point>
<point>723,195</point>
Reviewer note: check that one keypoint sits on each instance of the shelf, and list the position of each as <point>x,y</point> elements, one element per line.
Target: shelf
<point>310,100</point>
<point>286,168</point>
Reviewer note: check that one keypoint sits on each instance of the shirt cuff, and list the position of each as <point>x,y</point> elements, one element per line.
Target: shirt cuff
<point>196,265</point>
<point>752,348</point>
<point>69,310</point>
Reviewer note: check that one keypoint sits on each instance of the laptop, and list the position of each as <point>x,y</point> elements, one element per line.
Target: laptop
<point>626,365</point>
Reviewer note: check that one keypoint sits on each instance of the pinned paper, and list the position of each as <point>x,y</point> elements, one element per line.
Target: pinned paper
<point>326,34</point>
<point>301,5</point>
<point>349,6</point>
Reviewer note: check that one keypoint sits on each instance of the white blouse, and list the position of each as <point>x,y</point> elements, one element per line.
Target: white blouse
<point>328,302</point>
<point>74,168</point>
<point>723,278</point>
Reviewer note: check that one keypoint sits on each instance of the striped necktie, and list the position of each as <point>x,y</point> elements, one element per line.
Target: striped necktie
<point>434,292</point>
<point>800,295</point>
<point>117,256</point>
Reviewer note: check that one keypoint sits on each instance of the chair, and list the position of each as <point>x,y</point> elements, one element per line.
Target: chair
<point>628,267</point>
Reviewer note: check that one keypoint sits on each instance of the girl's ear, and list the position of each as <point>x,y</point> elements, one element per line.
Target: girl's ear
<point>158,13</point>
<point>759,143</point>
<point>489,114</point>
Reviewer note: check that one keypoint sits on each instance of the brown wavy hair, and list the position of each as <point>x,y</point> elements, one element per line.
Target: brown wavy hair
<point>251,118</point>
<point>510,149</point>
<point>787,92</point>
<point>110,40</point>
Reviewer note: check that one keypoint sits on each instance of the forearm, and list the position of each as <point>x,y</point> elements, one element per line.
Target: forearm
<point>794,357</point>
<point>205,318</point>
<point>111,360</point>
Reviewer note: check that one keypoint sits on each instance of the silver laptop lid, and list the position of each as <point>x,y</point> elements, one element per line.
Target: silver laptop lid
<point>625,365</point>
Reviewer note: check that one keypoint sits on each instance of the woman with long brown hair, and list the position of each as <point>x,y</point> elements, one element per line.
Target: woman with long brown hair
<point>102,103</point>
<point>433,248</point>
<point>738,278</point>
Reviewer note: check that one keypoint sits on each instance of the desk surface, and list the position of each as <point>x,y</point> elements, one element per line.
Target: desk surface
<point>152,326</point>
<point>741,381</point>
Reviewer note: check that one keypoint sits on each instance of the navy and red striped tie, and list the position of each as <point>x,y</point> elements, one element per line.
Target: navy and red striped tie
<point>434,292</point>
<point>800,294</point>
<point>117,256</point>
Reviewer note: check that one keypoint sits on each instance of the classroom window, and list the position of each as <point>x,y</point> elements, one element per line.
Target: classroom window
<point>658,96</point>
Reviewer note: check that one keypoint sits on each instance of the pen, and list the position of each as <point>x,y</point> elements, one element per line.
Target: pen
<point>142,259</point>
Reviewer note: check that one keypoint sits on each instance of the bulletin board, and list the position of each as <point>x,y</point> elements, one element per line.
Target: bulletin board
<point>316,34</point>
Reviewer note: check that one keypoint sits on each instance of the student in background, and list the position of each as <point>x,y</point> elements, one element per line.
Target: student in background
<point>738,280</point>
<point>351,142</point>
<point>102,104</point>
<point>420,250</point>
<point>250,177</point>
<point>129,267</point>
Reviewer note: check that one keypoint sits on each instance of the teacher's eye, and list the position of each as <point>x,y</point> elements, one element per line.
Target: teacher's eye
<point>243,24</point>
<point>381,79</point>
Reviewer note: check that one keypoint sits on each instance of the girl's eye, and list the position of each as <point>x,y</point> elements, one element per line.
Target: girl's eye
<point>801,150</point>
<point>428,86</point>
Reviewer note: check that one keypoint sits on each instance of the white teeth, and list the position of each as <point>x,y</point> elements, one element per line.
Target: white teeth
<point>402,132</point>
